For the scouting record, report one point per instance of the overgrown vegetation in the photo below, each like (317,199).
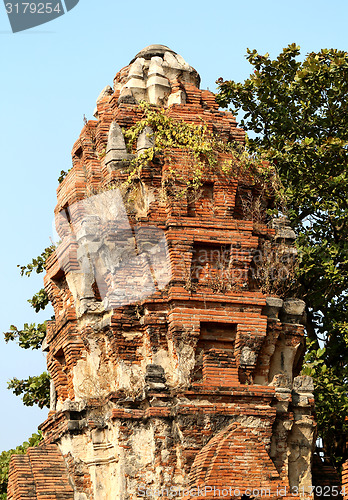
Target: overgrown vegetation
(275,268)
(202,152)
(298,114)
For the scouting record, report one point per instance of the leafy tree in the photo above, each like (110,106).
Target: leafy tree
(40,300)
(38,264)
(34,390)
(5,458)
(31,337)
(297,113)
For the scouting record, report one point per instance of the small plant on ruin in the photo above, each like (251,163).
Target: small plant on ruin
(275,268)
(214,269)
(220,275)
(221,280)
(90,134)
(190,283)
(62,176)
(102,153)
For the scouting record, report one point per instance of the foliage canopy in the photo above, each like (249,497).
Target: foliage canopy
(297,114)
(34,390)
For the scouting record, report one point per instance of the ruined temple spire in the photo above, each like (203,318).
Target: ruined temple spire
(171,368)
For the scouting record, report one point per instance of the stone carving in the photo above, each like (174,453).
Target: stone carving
(145,140)
(116,150)
(293,311)
(151,73)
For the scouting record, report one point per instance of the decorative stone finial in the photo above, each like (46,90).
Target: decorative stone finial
(156,75)
(153,51)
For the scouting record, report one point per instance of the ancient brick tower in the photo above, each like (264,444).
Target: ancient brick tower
(165,377)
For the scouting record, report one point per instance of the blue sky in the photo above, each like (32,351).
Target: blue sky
(51,77)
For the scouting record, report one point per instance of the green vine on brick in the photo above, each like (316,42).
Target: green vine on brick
(203,150)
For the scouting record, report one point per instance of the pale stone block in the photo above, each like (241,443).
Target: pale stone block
(178,97)
(115,138)
(155,67)
(273,305)
(126,97)
(281,381)
(157,94)
(182,62)
(136,70)
(294,308)
(285,233)
(137,87)
(303,383)
(135,83)
(145,140)
(171,61)
(158,88)
(80,496)
(53,396)
(116,147)
(158,80)
(293,311)
(105,92)
(117,159)
(247,357)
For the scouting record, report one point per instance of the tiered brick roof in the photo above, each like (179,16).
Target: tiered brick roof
(40,474)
